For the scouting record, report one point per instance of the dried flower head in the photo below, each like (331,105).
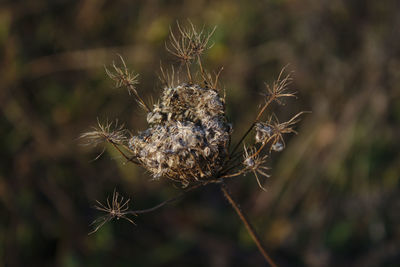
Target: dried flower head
(254,162)
(188,135)
(272,131)
(263,132)
(190,43)
(110,132)
(123,77)
(116,209)
(188,138)
(278,89)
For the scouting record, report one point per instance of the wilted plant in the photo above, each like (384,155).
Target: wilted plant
(189,137)
(116,209)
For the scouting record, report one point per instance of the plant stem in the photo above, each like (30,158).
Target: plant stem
(246,223)
(166,202)
(123,154)
(162,204)
(241,139)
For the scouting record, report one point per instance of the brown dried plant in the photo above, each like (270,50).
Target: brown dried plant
(189,137)
(105,133)
(189,45)
(123,77)
(116,209)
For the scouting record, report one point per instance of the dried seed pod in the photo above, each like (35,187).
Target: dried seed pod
(188,135)
(263,132)
(278,147)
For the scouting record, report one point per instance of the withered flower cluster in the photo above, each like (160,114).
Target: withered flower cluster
(188,136)
(188,139)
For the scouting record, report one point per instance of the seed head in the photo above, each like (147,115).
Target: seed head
(279,88)
(272,131)
(255,163)
(190,43)
(108,132)
(188,135)
(263,132)
(123,77)
(116,209)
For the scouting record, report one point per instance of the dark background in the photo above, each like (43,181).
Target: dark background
(333,198)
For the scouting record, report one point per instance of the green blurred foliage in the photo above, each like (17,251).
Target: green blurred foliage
(333,197)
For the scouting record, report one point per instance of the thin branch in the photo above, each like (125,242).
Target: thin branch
(247,224)
(231,175)
(166,202)
(242,139)
(127,158)
(156,207)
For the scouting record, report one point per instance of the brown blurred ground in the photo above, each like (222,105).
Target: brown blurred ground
(333,198)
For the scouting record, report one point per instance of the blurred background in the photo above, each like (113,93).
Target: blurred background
(333,197)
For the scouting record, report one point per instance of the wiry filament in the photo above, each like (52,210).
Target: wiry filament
(211,80)
(167,77)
